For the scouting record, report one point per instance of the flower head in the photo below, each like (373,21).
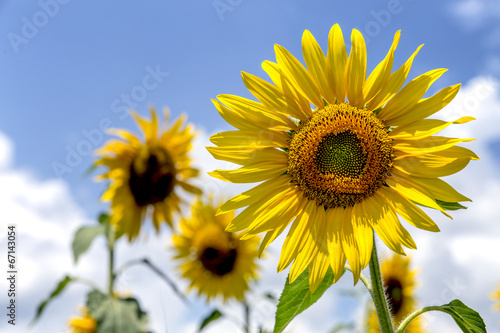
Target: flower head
(495,296)
(217,262)
(146,175)
(85,324)
(362,156)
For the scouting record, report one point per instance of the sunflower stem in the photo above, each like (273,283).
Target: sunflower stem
(415,314)
(111,268)
(378,293)
(247,316)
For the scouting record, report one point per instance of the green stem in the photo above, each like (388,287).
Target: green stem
(378,293)
(247,317)
(408,319)
(111,268)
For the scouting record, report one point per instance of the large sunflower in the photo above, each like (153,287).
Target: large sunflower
(84,324)
(362,155)
(146,174)
(399,285)
(216,262)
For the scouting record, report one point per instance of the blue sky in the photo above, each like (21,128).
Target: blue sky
(69,67)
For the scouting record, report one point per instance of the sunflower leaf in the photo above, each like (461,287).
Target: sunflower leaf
(60,287)
(116,315)
(467,319)
(214,315)
(450,205)
(296,298)
(84,237)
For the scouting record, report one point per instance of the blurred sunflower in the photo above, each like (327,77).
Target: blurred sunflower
(85,324)
(146,174)
(495,296)
(364,154)
(399,284)
(216,262)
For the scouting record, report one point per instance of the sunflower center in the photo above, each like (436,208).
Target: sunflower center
(340,156)
(152,176)
(394,292)
(218,262)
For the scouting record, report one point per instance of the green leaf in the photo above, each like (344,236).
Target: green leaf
(296,297)
(84,237)
(60,287)
(216,314)
(103,219)
(115,315)
(94,301)
(467,319)
(450,205)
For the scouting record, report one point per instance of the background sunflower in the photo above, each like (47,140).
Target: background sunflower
(83,324)
(399,283)
(216,262)
(147,174)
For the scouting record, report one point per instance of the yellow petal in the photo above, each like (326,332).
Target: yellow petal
(416,193)
(303,259)
(424,128)
(363,232)
(269,187)
(438,188)
(394,83)
(334,243)
(316,64)
(298,76)
(408,96)
(251,173)
(355,72)
(430,165)
(382,221)
(428,106)
(427,145)
(378,78)
(350,245)
(255,139)
(408,210)
(317,270)
(297,235)
(257,113)
(270,237)
(299,106)
(336,61)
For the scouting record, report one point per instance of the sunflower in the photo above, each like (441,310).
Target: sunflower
(399,284)
(495,296)
(216,262)
(85,324)
(344,168)
(146,174)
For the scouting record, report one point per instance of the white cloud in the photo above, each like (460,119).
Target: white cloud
(474,13)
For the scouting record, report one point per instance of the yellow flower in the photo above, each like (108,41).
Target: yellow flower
(85,324)
(215,261)
(399,284)
(495,296)
(364,154)
(146,174)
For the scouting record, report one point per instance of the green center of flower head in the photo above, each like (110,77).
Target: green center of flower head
(340,156)
(217,261)
(394,292)
(152,176)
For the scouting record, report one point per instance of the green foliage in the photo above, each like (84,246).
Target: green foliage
(213,316)
(467,319)
(60,287)
(84,237)
(450,205)
(115,315)
(296,298)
